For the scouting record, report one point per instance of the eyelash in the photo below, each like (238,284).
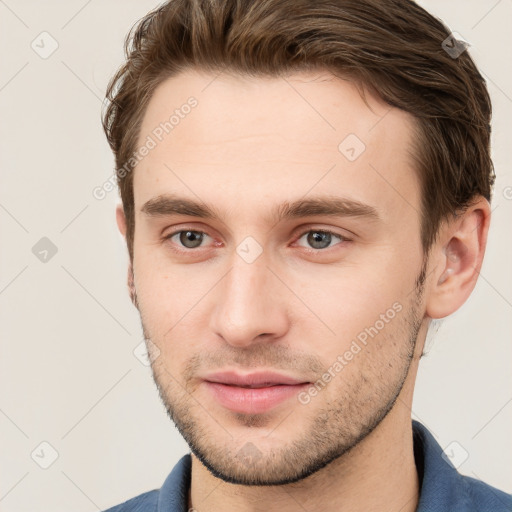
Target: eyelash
(311,250)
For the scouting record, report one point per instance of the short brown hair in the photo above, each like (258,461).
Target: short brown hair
(392,47)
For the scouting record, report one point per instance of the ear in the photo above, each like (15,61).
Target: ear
(131,286)
(458,255)
(121,220)
(121,224)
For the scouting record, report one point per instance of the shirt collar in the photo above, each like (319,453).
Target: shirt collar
(173,496)
(441,486)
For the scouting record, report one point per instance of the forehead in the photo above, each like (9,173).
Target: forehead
(228,138)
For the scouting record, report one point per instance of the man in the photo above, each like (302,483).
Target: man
(305,185)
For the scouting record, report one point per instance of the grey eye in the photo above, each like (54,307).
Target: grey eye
(191,239)
(320,239)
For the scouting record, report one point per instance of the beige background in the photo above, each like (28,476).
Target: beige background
(68,373)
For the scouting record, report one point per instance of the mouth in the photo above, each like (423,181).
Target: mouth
(255,386)
(253,393)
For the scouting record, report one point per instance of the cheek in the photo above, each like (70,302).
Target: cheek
(350,299)
(371,327)
(169,301)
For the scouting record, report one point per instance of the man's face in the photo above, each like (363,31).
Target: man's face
(227,299)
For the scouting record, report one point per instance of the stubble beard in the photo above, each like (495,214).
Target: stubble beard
(333,431)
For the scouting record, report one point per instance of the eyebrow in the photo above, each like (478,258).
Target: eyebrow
(331,206)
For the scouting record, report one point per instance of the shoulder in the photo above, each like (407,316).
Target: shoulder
(443,488)
(171,497)
(146,502)
(483,496)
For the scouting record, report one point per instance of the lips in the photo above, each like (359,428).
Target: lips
(252,393)
(252,380)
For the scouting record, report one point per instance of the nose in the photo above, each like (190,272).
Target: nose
(250,305)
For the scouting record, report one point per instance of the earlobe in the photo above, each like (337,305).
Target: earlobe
(121,220)
(460,253)
(131,287)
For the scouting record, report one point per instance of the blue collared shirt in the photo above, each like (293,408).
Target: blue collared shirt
(442,487)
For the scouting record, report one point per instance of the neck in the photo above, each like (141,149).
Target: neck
(377,474)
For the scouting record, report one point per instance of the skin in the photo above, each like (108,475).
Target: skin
(249,145)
